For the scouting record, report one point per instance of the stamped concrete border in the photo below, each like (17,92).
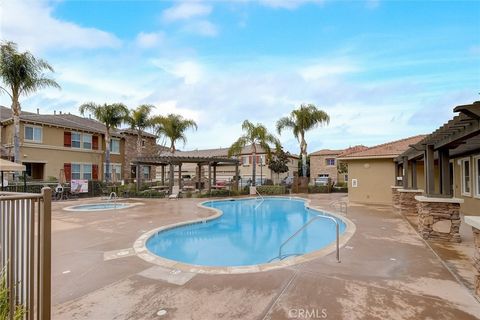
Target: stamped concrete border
(145,254)
(128,205)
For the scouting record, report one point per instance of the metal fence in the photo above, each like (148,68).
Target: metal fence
(25,251)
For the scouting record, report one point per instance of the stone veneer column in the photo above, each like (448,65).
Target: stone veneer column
(474,221)
(407,201)
(396,198)
(439,218)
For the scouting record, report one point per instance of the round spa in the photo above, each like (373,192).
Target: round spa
(248,232)
(103,206)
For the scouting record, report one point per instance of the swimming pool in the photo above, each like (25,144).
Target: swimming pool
(99,206)
(249,232)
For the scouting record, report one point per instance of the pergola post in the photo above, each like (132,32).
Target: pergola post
(138,177)
(214,173)
(180,176)
(429,170)
(163,175)
(405,173)
(199,177)
(171,177)
(209,177)
(397,170)
(236,176)
(414,174)
(444,161)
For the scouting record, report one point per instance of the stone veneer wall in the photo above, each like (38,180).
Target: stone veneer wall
(476,259)
(150,149)
(439,220)
(396,198)
(407,201)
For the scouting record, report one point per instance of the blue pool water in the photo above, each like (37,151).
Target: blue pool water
(246,234)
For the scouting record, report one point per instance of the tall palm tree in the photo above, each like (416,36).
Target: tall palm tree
(173,127)
(305,118)
(139,119)
(22,74)
(254,134)
(112,116)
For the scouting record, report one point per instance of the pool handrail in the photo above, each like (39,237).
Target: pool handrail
(337,227)
(343,206)
(263,199)
(113,196)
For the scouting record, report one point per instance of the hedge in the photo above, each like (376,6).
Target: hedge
(271,190)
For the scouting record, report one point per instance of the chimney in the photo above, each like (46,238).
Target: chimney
(54,112)
(38,110)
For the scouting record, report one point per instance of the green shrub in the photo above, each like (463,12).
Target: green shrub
(271,190)
(340,189)
(150,194)
(319,189)
(5,300)
(341,185)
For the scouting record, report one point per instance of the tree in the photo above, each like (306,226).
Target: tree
(279,162)
(301,120)
(139,119)
(112,116)
(173,127)
(22,74)
(253,135)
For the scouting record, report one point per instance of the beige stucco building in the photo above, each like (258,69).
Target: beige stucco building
(55,144)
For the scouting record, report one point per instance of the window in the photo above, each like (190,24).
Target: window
(87,141)
(114,168)
(115,146)
(330,161)
(477,176)
(245,160)
(76,171)
(466,177)
(33,134)
(346,177)
(143,143)
(76,139)
(146,172)
(87,171)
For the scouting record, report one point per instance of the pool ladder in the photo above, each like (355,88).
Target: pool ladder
(342,205)
(113,196)
(337,227)
(263,199)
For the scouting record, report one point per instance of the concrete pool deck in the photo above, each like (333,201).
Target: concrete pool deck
(387,272)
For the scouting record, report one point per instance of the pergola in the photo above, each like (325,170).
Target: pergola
(172,160)
(458,137)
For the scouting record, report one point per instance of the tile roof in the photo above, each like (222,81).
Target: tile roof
(326,152)
(219,152)
(385,150)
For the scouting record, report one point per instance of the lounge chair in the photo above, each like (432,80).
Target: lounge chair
(175,193)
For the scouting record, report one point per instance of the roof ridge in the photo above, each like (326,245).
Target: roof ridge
(395,141)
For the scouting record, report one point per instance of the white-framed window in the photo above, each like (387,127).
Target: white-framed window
(476,161)
(76,171)
(87,141)
(245,160)
(466,177)
(146,172)
(76,142)
(330,161)
(115,146)
(115,168)
(33,134)
(263,160)
(87,171)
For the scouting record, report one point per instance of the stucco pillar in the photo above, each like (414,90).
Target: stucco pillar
(163,175)
(209,177)
(429,170)
(444,160)
(180,176)
(405,173)
(171,178)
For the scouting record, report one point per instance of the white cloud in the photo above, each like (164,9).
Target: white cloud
(323,70)
(185,11)
(202,28)
(32,26)
(287,4)
(189,71)
(149,39)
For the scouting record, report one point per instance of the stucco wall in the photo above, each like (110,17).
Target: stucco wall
(318,165)
(374,178)
(471,205)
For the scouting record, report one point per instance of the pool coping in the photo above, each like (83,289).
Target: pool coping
(142,252)
(129,205)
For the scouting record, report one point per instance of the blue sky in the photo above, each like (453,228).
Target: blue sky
(383,70)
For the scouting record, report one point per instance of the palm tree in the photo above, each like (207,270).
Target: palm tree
(22,74)
(173,127)
(301,120)
(254,134)
(112,116)
(139,120)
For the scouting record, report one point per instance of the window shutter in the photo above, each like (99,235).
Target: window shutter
(94,171)
(250,158)
(95,142)
(67,139)
(258,160)
(67,168)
